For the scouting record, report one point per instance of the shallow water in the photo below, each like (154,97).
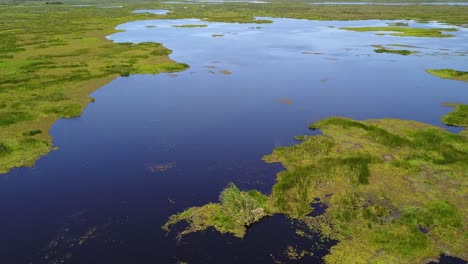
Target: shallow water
(100,198)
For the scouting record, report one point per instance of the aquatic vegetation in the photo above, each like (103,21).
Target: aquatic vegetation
(393,190)
(225,72)
(285,101)
(450,74)
(407,32)
(190,26)
(217,35)
(400,52)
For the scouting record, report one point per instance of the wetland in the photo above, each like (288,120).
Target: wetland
(215,139)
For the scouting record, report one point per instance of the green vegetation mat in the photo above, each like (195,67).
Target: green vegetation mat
(450,74)
(395,190)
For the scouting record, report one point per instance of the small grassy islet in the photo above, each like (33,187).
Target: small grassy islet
(381,49)
(407,32)
(450,74)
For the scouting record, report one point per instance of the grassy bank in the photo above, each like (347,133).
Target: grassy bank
(51,58)
(394,190)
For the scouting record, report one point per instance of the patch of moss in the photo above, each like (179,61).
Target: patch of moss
(450,74)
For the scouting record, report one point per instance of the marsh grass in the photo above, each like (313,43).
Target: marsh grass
(47,69)
(32,133)
(459,117)
(40,58)
(235,211)
(404,209)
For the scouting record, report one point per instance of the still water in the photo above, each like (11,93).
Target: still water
(152,145)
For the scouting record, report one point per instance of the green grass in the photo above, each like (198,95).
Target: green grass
(407,32)
(450,74)
(401,210)
(459,117)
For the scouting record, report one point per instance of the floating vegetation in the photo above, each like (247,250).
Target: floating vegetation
(391,51)
(225,72)
(395,186)
(190,26)
(450,74)
(217,35)
(161,167)
(407,32)
(284,101)
(294,254)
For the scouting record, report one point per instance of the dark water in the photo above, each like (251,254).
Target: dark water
(100,198)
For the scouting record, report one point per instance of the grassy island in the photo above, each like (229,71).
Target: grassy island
(407,31)
(394,190)
(450,74)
